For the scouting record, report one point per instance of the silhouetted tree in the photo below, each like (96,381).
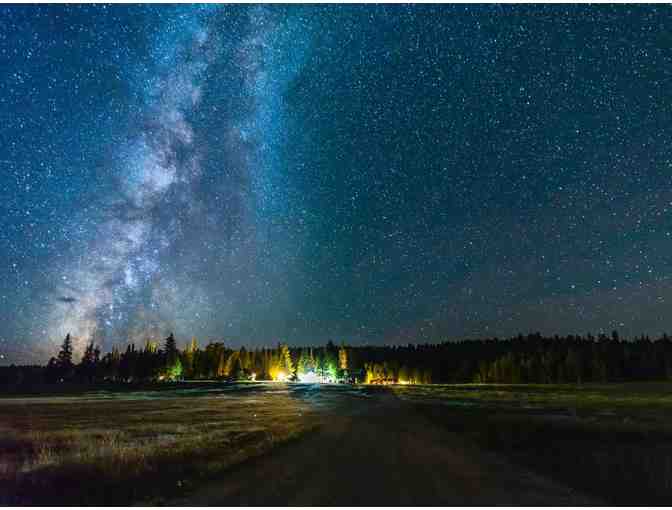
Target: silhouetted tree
(88,366)
(65,354)
(171,350)
(64,364)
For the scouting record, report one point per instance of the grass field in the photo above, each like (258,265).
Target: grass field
(612,441)
(122,447)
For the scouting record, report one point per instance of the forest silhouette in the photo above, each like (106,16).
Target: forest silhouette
(522,359)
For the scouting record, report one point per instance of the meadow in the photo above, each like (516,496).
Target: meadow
(118,448)
(610,441)
(149,445)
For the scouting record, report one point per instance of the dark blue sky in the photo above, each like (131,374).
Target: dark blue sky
(377,174)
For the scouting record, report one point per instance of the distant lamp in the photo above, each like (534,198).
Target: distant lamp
(309,377)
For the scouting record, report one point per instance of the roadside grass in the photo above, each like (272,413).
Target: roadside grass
(610,441)
(121,452)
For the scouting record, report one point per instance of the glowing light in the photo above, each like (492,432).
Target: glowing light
(309,377)
(281,377)
(253,376)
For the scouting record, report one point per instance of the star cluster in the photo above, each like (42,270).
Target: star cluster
(376,174)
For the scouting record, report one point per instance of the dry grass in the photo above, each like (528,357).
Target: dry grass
(125,447)
(72,451)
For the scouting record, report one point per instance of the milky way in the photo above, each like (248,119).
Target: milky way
(375,174)
(124,281)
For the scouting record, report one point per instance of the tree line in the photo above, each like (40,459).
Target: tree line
(523,359)
(155,362)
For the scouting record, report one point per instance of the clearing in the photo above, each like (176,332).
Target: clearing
(292,444)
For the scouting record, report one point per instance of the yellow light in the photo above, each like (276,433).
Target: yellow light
(281,377)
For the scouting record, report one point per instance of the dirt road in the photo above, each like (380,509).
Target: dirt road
(387,455)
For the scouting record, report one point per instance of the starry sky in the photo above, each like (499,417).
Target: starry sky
(367,174)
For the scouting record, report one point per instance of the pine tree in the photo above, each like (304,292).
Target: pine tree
(302,365)
(88,365)
(244,358)
(189,356)
(311,364)
(237,370)
(64,365)
(151,346)
(128,364)
(175,371)
(171,350)
(231,360)
(286,360)
(87,357)
(267,364)
(172,359)
(221,365)
(65,354)
(342,358)
(113,363)
(368,369)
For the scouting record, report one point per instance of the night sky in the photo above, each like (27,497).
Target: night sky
(367,174)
